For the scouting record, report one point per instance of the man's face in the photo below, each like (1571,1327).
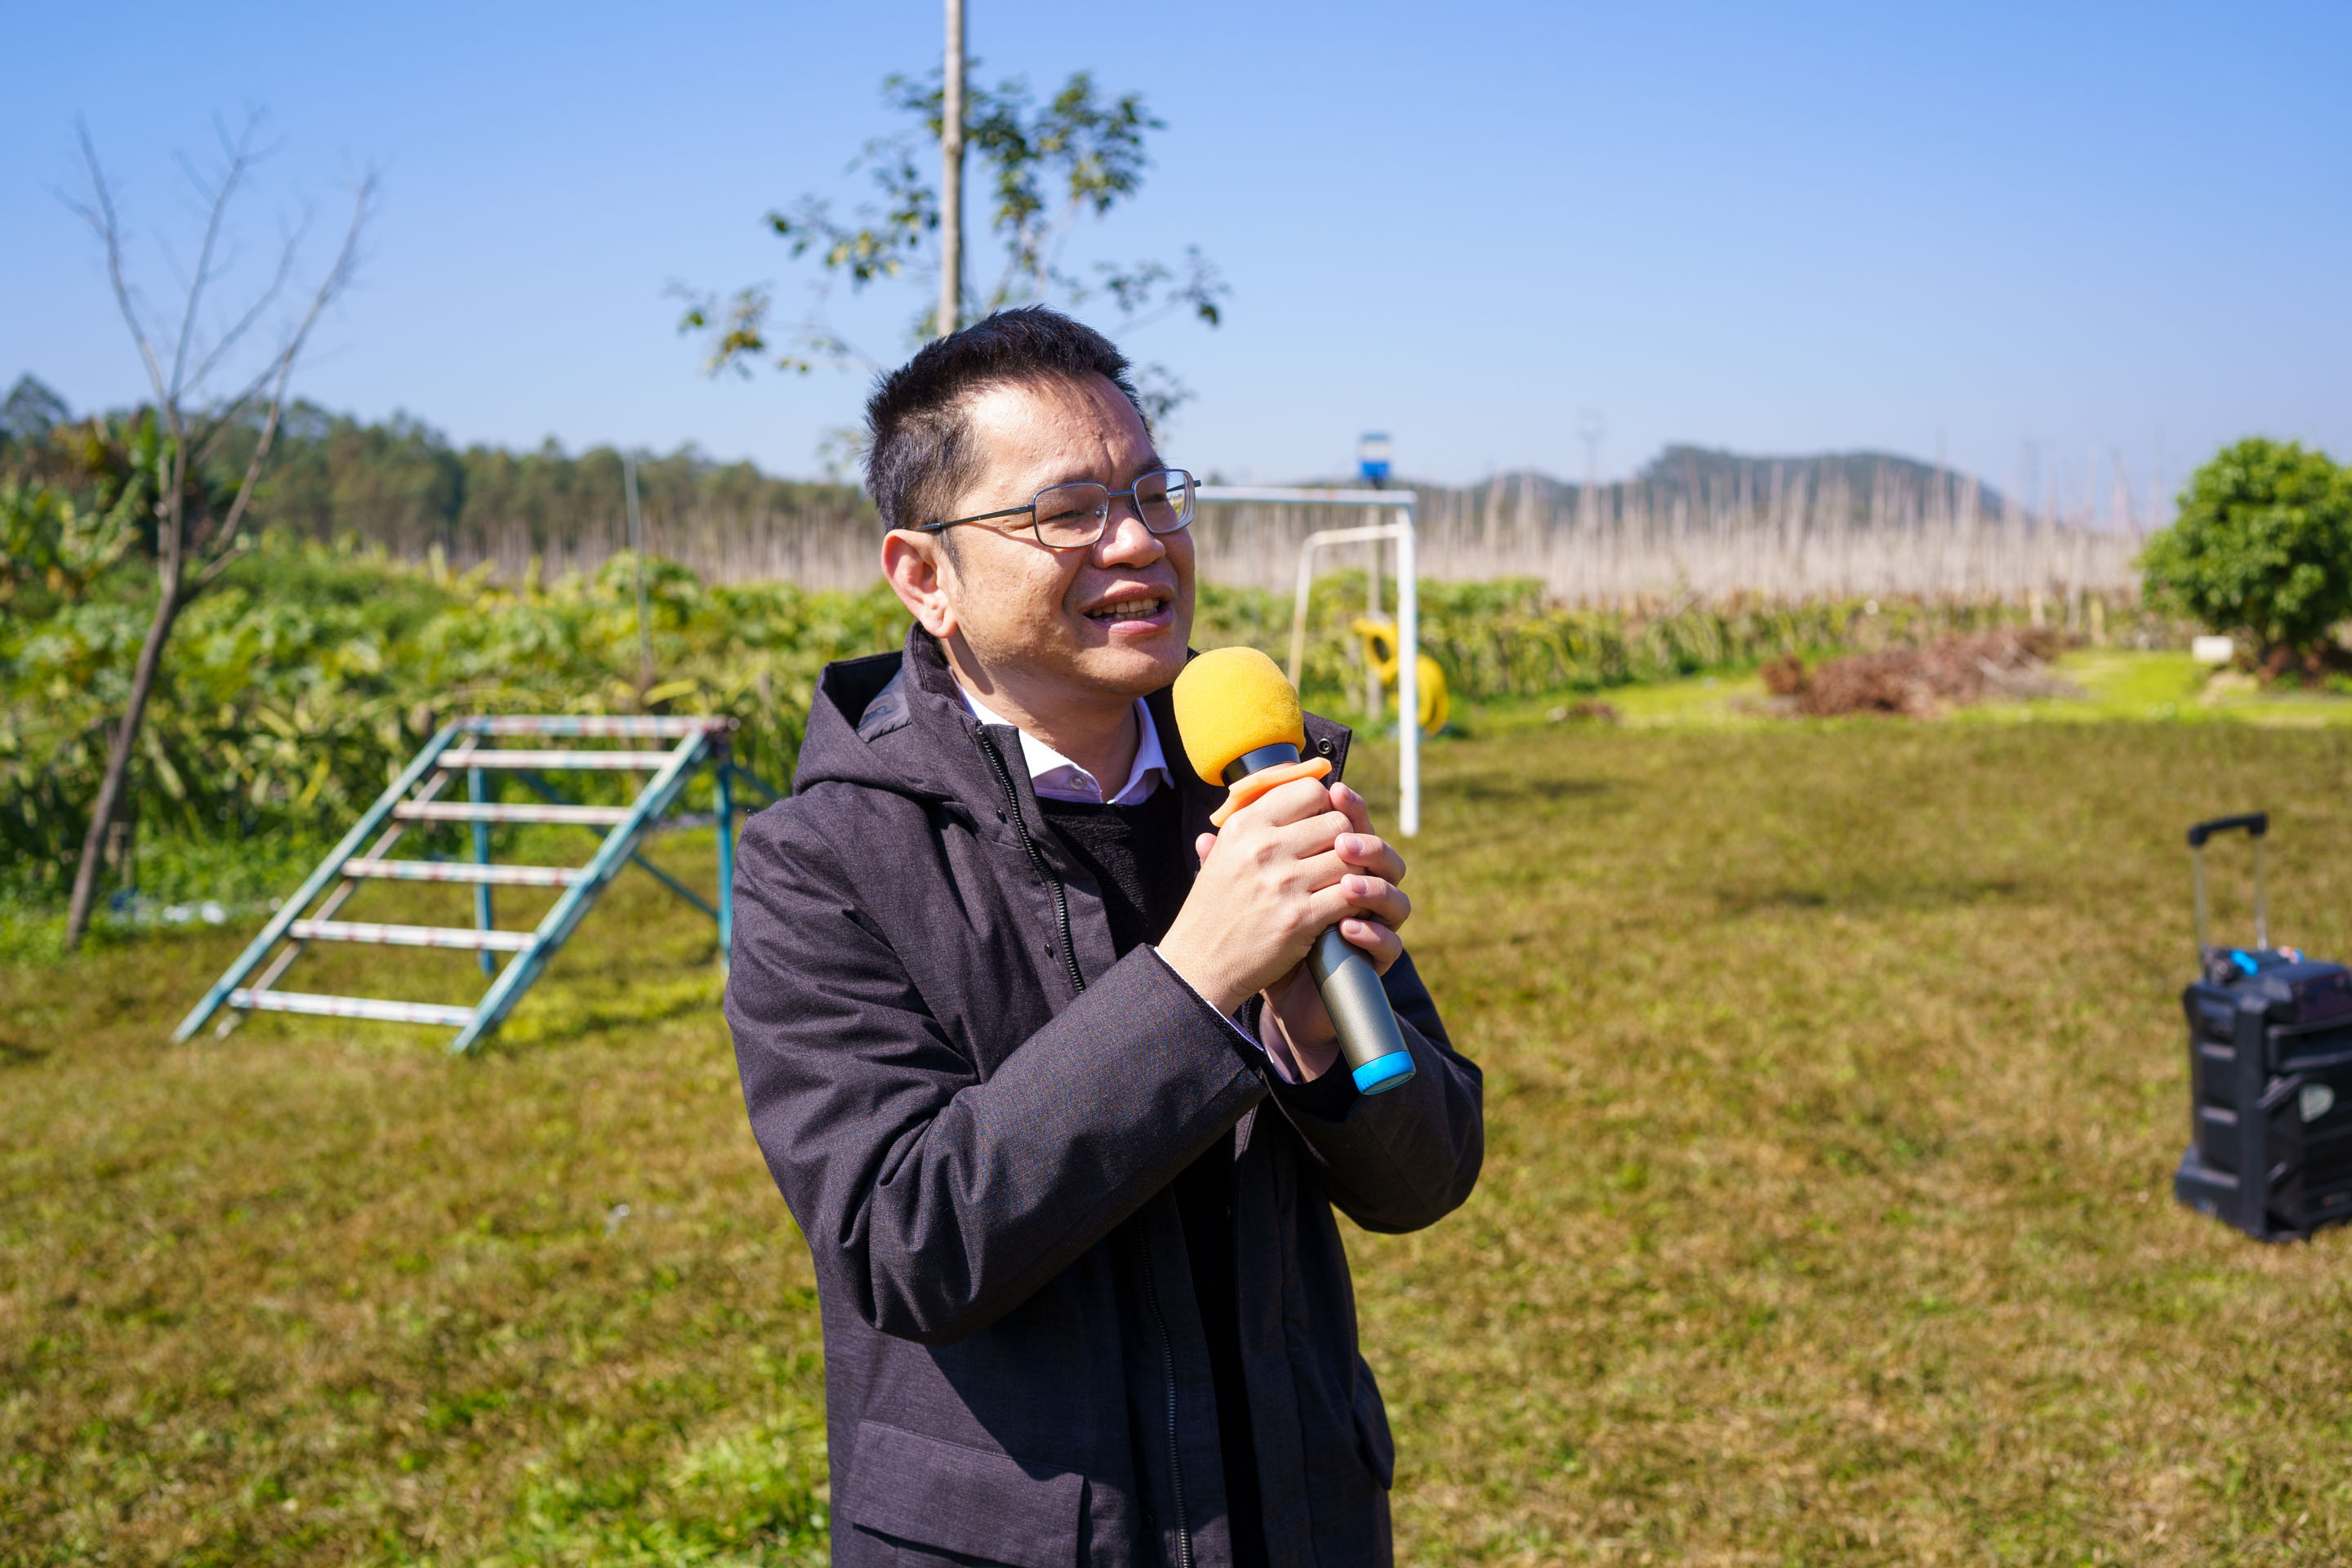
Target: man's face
(1109,620)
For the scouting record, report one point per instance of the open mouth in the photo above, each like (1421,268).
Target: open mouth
(1140,608)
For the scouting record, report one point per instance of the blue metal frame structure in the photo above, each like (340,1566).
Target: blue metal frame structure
(468,746)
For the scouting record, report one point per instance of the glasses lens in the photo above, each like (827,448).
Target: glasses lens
(1072,515)
(1164,499)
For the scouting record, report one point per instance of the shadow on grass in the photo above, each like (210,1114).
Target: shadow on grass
(1489,789)
(1876,896)
(551,1015)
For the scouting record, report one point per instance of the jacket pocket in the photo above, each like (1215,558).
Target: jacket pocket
(1372,1439)
(925,1492)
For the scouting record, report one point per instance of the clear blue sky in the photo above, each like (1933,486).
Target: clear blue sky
(1777,228)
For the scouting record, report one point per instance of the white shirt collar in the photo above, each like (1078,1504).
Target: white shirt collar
(1055,777)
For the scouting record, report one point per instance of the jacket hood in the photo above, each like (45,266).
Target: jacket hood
(892,722)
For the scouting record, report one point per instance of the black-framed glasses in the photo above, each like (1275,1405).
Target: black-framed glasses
(1072,516)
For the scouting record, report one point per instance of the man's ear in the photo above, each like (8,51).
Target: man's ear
(923,576)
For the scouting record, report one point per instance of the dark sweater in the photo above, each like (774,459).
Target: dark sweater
(1139,860)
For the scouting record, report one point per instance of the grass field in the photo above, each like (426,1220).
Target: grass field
(1835,1082)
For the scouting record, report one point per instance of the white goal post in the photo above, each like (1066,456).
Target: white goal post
(1401,528)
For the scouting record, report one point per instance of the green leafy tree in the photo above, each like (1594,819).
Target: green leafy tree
(1049,168)
(55,544)
(2262,550)
(31,411)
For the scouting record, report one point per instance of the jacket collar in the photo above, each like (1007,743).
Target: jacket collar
(898,721)
(1056,775)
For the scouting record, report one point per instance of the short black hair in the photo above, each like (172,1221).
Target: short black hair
(917,451)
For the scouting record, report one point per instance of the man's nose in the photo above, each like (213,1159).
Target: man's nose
(1126,541)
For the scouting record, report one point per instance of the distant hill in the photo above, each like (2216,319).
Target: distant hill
(1709,479)
(1685,471)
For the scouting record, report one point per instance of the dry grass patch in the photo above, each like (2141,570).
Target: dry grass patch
(2009,664)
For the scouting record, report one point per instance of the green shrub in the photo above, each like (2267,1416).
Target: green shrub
(294,691)
(2261,549)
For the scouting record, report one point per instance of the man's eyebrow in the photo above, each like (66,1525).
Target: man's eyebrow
(1152,465)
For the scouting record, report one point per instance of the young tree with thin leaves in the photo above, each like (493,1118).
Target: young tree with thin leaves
(1048,168)
(190,355)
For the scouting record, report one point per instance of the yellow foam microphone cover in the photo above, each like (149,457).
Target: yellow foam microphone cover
(1229,702)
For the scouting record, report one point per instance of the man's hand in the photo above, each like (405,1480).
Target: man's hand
(1295,860)
(1296,1025)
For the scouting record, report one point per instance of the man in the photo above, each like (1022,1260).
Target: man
(1032,1054)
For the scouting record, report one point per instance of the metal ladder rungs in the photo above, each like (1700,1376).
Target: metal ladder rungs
(605,761)
(364,853)
(470,811)
(657,726)
(464,871)
(377,1008)
(467,937)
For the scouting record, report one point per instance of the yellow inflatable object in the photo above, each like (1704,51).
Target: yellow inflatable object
(1380,652)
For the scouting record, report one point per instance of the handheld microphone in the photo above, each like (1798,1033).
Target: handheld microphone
(1240,722)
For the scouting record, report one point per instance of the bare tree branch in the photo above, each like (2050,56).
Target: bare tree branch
(229,339)
(100,213)
(338,278)
(219,195)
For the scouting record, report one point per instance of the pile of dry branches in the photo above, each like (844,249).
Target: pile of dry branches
(1920,682)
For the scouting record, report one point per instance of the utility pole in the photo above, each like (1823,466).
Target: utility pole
(952,177)
(637,558)
(1590,425)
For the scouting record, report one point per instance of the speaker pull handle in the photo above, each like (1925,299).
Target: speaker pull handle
(2256,825)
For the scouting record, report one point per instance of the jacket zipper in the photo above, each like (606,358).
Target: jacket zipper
(1175,1458)
(1150,1286)
(1037,859)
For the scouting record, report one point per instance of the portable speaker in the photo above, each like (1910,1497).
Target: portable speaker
(2270,1074)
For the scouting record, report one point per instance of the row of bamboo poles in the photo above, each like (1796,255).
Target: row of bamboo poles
(818,547)
(1788,539)
(1777,535)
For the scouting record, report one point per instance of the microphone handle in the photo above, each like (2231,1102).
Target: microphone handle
(1359,1011)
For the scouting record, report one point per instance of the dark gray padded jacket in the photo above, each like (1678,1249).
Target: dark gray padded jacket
(975,1110)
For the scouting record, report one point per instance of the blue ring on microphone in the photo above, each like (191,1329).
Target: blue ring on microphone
(1383,1072)
(1270,756)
